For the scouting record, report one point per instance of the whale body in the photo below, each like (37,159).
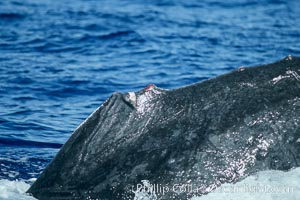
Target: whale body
(205,134)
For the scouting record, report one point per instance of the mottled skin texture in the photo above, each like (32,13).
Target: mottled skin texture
(206,134)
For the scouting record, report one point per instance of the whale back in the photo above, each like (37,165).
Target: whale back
(206,134)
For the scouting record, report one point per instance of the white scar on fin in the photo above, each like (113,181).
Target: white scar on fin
(130,98)
(288,74)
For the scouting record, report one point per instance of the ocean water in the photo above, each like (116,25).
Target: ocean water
(60,60)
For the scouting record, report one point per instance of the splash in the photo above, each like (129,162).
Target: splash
(14,190)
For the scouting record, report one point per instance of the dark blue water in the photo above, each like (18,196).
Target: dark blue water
(59,60)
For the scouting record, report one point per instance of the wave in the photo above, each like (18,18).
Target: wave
(115,36)
(8,16)
(27,143)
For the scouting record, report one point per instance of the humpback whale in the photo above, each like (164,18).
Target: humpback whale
(202,135)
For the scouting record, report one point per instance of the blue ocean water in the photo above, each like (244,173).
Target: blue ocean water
(59,60)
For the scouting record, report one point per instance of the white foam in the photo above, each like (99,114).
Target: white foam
(267,185)
(14,190)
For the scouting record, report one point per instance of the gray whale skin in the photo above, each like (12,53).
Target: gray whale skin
(206,134)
